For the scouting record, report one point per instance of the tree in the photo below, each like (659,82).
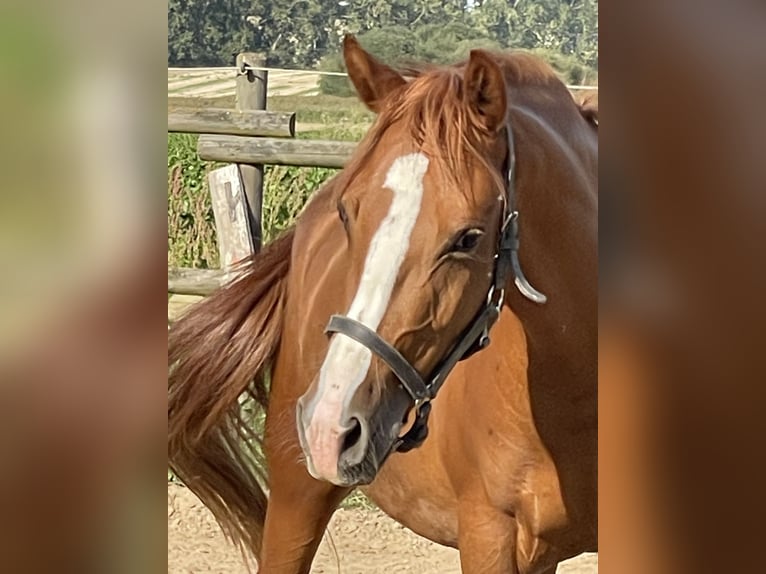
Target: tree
(294,32)
(298,33)
(207,32)
(393,45)
(451,42)
(398,45)
(564,26)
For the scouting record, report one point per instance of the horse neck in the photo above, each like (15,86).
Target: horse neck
(557,202)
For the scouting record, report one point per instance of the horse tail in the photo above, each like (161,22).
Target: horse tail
(219,356)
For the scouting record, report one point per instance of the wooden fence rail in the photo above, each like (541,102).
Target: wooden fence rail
(221,121)
(239,149)
(195,281)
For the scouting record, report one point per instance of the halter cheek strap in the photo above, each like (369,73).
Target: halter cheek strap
(474,338)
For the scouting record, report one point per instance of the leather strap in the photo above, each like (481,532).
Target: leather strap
(361,333)
(414,437)
(480,325)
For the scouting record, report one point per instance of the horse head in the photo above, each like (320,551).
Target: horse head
(413,225)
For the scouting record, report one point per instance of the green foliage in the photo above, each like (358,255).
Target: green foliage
(287,188)
(191,225)
(294,32)
(399,45)
(442,44)
(450,43)
(567,27)
(286,191)
(345,133)
(569,68)
(208,32)
(393,44)
(300,33)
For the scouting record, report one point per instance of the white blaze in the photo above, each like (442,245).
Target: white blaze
(347,362)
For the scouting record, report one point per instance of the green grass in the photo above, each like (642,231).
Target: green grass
(286,191)
(357,499)
(330,110)
(191,225)
(341,132)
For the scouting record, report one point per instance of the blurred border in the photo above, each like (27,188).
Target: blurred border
(82,371)
(82,334)
(682,283)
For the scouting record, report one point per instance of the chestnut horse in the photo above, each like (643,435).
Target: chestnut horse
(397,271)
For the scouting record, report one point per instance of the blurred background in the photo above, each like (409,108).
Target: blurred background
(82,336)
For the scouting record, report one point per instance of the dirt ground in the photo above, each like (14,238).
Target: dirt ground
(365,542)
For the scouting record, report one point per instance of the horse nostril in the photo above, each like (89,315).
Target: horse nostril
(354,447)
(352,436)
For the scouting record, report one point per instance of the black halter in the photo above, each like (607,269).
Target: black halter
(473,339)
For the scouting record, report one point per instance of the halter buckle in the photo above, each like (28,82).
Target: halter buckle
(510,218)
(420,403)
(495,298)
(509,234)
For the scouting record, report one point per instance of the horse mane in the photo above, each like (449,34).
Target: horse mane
(218,352)
(432,110)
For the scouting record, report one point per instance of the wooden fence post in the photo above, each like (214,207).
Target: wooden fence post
(232,222)
(251,95)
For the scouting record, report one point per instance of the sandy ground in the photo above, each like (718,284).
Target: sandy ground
(365,542)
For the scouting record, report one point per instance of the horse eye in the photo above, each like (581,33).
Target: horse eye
(467,241)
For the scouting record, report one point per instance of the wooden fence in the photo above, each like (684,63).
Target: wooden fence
(248,138)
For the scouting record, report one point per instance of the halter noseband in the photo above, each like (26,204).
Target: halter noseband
(473,339)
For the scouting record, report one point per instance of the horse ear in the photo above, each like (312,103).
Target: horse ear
(484,90)
(372,79)
(589,111)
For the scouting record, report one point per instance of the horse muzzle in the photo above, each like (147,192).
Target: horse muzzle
(347,446)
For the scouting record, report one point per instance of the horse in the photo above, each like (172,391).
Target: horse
(403,277)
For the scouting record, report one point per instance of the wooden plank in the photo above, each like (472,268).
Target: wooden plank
(232,220)
(261,123)
(251,95)
(194,281)
(240,149)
